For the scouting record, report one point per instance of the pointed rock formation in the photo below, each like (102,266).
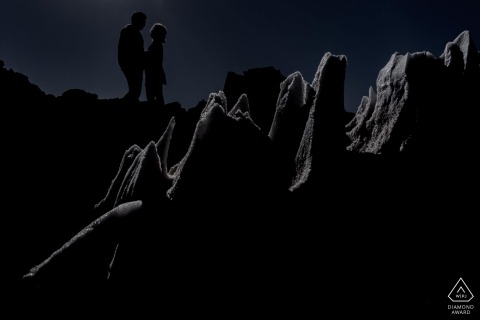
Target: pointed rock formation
(424,103)
(217,99)
(85,258)
(185,124)
(163,144)
(145,179)
(108,202)
(407,91)
(290,100)
(357,128)
(141,173)
(228,155)
(462,54)
(453,58)
(241,106)
(324,134)
(202,155)
(227,169)
(289,122)
(262,86)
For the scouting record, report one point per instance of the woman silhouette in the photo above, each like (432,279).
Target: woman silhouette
(154,72)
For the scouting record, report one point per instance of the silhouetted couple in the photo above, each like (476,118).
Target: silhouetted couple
(134,60)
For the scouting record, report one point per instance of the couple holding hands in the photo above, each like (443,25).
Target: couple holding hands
(134,60)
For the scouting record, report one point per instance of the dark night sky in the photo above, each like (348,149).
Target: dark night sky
(64,44)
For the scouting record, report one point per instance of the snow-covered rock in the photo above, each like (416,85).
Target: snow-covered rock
(462,54)
(324,134)
(85,258)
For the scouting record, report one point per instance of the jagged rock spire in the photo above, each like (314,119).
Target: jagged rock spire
(324,134)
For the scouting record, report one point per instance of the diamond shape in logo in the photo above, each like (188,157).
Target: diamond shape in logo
(460,292)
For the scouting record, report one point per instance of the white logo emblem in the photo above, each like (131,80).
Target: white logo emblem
(460,292)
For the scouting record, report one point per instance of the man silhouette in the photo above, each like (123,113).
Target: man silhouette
(154,72)
(131,55)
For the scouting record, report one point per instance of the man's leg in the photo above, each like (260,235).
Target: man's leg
(134,80)
(137,82)
(149,89)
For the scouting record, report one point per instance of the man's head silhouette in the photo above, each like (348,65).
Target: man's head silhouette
(139,20)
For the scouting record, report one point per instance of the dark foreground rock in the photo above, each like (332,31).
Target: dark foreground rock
(229,208)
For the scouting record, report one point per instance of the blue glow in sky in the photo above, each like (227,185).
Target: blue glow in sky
(64,44)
